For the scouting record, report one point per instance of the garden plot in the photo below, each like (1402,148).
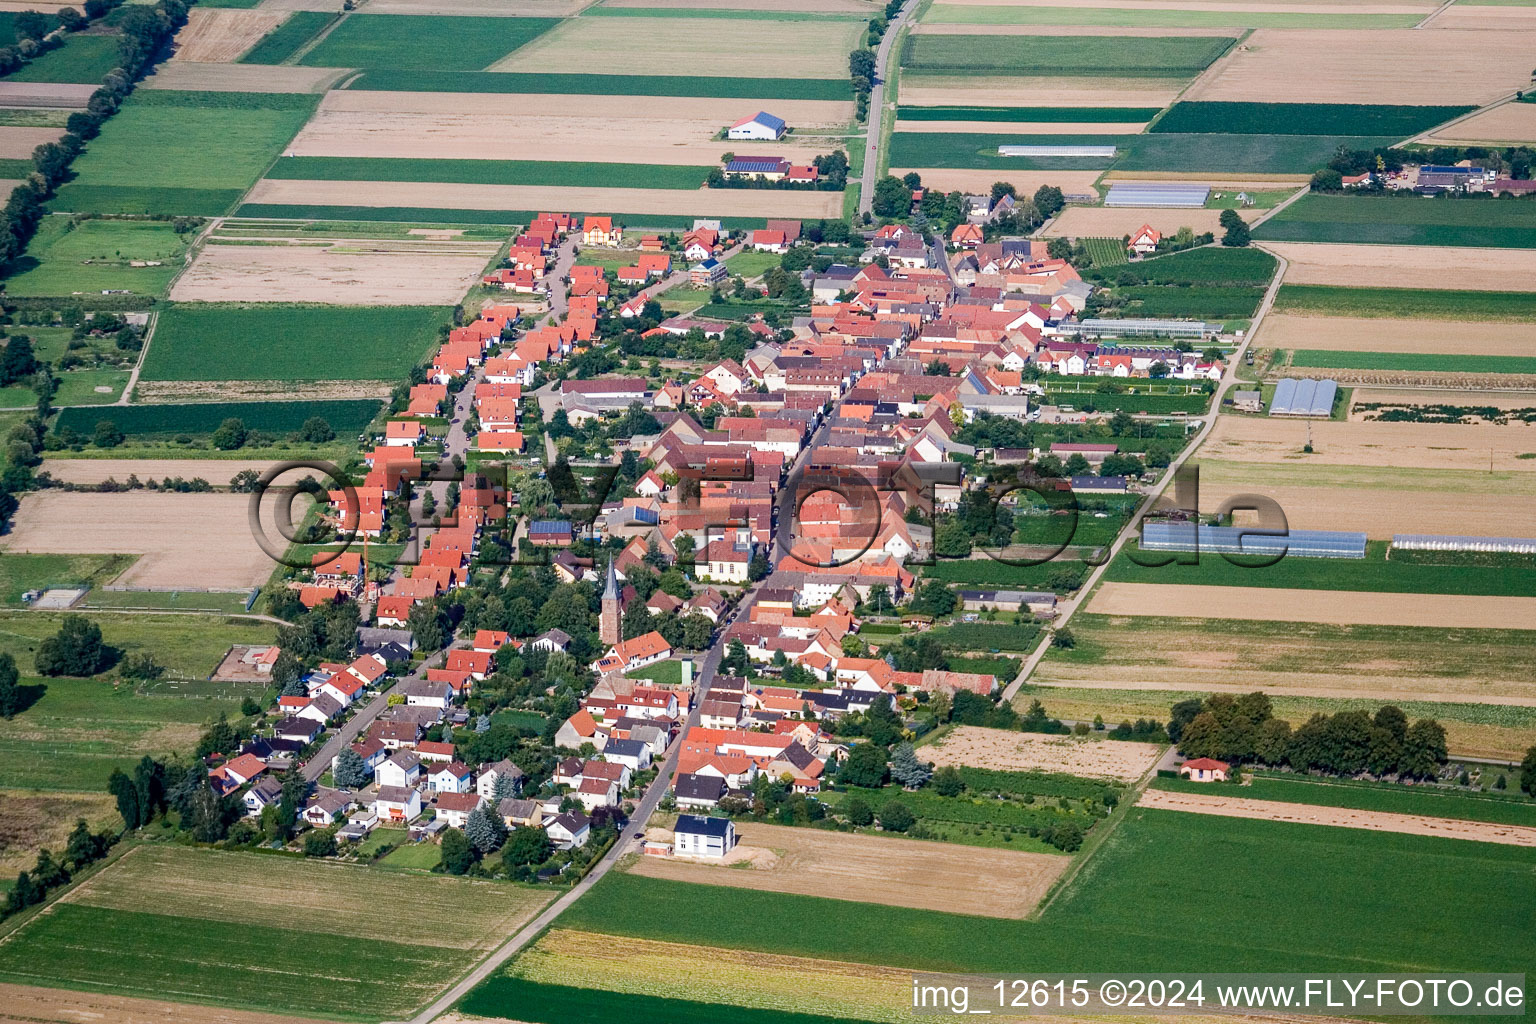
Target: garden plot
(1402,445)
(1113,222)
(18,143)
(221,35)
(720,202)
(950,179)
(873,869)
(1370,66)
(1001,91)
(1407,266)
(182,76)
(357,272)
(721,47)
(1003,750)
(1341,607)
(1339,817)
(1366,334)
(1508,123)
(186,540)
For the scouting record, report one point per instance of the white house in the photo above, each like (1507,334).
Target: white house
(451,778)
(697,836)
(1144,241)
(1204,769)
(491,774)
(259,796)
(568,831)
(402,769)
(595,793)
(633,754)
(394,803)
(454,808)
(762,126)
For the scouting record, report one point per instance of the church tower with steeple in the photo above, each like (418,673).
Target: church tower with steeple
(610,619)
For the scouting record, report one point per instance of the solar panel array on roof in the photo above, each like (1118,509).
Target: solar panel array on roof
(1104,152)
(1303,397)
(1240,540)
(1446,542)
(1164,196)
(756,165)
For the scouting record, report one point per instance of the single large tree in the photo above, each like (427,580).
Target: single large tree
(351,771)
(458,852)
(76,650)
(864,767)
(907,769)
(10,691)
(485,829)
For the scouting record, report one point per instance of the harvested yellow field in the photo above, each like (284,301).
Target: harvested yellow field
(719,202)
(1509,123)
(1007,751)
(218,886)
(1349,443)
(818,115)
(1407,266)
(1025,127)
(726,977)
(1275,604)
(1368,66)
(1339,817)
(18,143)
(950,179)
(1112,222)
(241,78)
(349,273)
(945,90)
(34,821)
(1487,17)
(26,1003)
(1360,334)
(1433,396)
(873,869)
(220,35)
(187,540)
(723,47)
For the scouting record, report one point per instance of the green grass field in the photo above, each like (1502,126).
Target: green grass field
(1394,798)
(285,40)
(1405,303)
(21,571)
(1066,56)
(491,172)
(82,59)
(1492,223)
(1304,118)
(751,264)
(979,150)
(95,255)
(987,636)
(434,80)
(1468,899)
(1208,265)
(437,215)
(989,572)
(1373,573)
(1428,362)
(147,421)
(232,603)
(1078,115)
(172,152)
(1134,17)
(1201,302)
(1207,153)
(213,341)
(410,42)
(78,387)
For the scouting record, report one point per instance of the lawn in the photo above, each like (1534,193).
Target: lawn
(751,264)
(1393,798)
(165,421)
(665,673)
(423,42)
(1427,362)
(285,40)
(1064,56)
(1468,898)
(1372,573)
(1490,223)
(213,341)
(422,856)
(1304,118)
(78,387)
(1405,303)
(96,255)
(173,152)
(490,172)
(434,80)
(82,59)
(21,571)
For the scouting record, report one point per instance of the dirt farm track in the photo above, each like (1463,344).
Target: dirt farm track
(874,869)
(1309,814)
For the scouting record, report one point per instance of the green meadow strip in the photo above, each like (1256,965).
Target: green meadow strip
(606,85)
(490,172)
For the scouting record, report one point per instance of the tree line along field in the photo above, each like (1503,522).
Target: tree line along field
(1412,361)
(1373,573)
(1303,118)
(573,83)
(219,341)
(423,42)
(1134,889)
(175,152)
(151,421)
(288,38)
(490,172)
(67,257)
(1405,303)
(1071,56)
(1487,223)
(1392,798)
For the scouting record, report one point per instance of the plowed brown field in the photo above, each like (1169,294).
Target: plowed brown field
(1274,604)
